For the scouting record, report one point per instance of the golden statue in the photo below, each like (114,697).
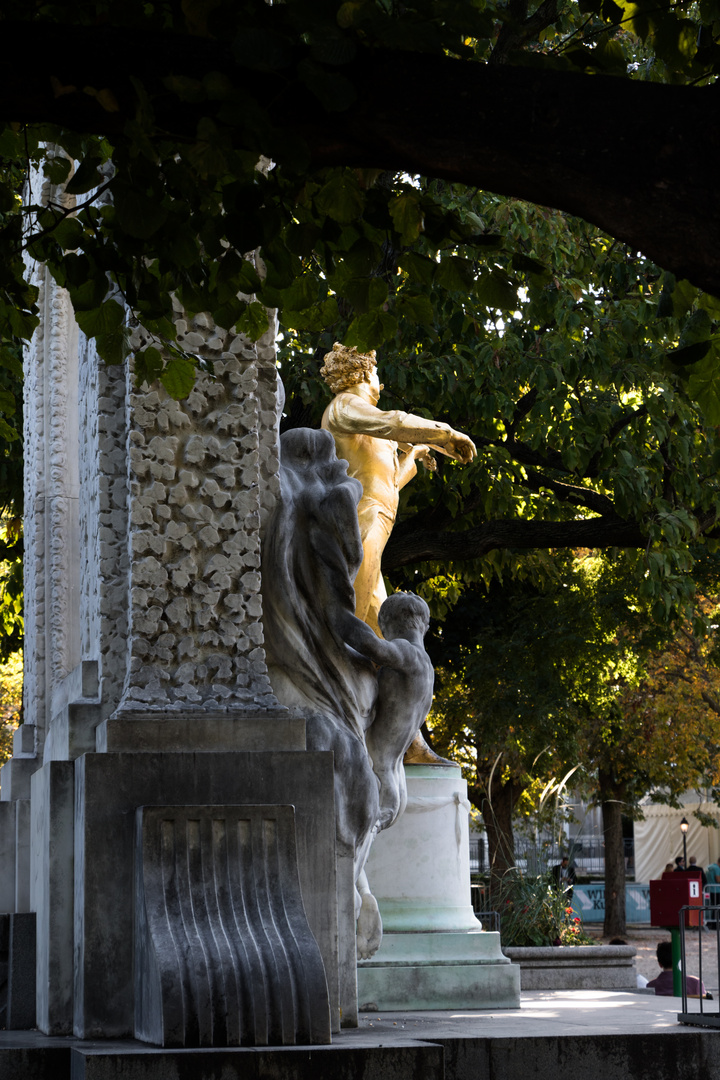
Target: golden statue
(382,450)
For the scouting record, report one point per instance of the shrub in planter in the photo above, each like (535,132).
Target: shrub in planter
(534,912)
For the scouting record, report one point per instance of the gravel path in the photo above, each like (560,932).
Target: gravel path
(645,940)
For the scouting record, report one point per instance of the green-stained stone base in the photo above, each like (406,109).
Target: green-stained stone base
(438,971)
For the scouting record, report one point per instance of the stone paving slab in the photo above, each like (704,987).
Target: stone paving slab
(543,1012)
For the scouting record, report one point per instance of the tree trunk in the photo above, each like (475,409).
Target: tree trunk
(497,810)
(612,797)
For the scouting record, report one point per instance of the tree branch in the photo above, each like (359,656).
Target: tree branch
(410,544)
(518,131)
(573,494)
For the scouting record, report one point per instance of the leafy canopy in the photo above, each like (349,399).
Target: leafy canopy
(572,361)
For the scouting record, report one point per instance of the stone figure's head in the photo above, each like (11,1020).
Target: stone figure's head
(345,367)
(401,613)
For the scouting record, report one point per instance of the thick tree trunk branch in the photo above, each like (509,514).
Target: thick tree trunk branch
(410,544)
(634,158)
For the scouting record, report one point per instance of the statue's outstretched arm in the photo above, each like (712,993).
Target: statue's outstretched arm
(352,415)
(360,637)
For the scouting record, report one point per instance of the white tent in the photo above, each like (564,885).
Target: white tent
(658,839)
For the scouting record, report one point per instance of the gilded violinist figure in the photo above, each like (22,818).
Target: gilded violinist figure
(382,449)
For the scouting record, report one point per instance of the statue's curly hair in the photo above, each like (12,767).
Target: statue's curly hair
(345,367)
(402,606)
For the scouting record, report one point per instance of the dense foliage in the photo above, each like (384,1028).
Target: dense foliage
(571,360)
(533,681)
(11,679)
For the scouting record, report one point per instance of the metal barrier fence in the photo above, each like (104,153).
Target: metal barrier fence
(708,917)
(588,856)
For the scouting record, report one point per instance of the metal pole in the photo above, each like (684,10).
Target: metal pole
(676,962)
(685,850)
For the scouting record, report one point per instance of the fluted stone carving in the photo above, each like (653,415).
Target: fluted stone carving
(224,953)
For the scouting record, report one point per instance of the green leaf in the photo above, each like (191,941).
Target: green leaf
(11,362)
(418,309)
(315,319)
(329,45)
(86,177)
(90,293)
(139,214)
(418,267)
(8,199)
(704,385)
(254,321)
(495,290)
(248,280)
(408,218)
(341,198)
(301,239)
(102,320)
(261,49)
(8,433)
(302,293)
(148,364)
(22,323)
(113,346)
(683,297)
(372,330)
(187,89)
(69,234)
(455,274)
(527,265)
(365,293)
(7,402)
(57,169)
(178,378)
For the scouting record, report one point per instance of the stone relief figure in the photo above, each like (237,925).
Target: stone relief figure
(364,697)
(382,449)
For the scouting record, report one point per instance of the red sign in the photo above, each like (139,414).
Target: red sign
(676,890)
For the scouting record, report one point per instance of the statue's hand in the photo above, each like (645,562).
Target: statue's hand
(460,446)
(422,453)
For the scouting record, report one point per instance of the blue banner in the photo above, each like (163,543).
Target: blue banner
(589,902)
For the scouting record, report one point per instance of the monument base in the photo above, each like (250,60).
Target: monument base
(445,970)
(434,953)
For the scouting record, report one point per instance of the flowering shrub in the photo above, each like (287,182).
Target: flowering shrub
(533,911)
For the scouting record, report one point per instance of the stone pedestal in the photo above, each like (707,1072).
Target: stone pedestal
(434,954)
(146,686)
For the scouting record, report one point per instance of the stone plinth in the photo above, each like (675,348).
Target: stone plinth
(434,954)
(108,790)
(577,967)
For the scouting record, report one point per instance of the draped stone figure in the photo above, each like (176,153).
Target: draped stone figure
(363,697)
(311,553)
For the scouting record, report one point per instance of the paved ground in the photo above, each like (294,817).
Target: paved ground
(645,940)
(542,1013)
(545,1013)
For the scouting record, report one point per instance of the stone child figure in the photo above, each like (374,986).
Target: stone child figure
(405,690)
(382,449)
